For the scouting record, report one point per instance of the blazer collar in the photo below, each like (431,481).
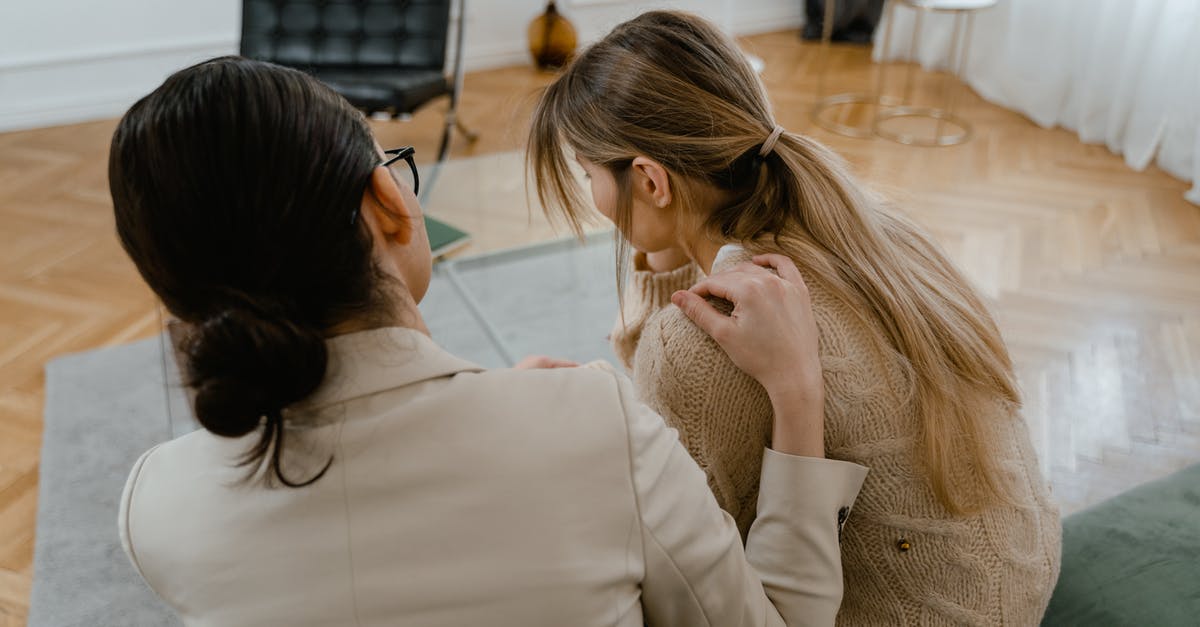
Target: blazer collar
(368,362)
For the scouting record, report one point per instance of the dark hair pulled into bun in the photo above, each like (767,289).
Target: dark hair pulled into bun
(233,184)
(245,366)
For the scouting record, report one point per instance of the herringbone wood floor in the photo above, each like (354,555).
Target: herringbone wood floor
(1093,269)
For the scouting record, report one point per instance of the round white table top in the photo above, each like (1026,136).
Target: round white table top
(952,5)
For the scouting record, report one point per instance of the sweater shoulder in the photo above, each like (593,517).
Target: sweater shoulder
(670,338)
(683,373)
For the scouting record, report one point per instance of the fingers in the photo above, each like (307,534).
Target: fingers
(528,363)
(702,313)
(535,362)
(769,276)
(736,285)
(783,265)
(721,285)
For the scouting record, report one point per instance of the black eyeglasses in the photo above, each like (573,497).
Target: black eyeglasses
(395,155)
(405,153)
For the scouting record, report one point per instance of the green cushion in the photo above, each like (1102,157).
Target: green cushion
(1134,559)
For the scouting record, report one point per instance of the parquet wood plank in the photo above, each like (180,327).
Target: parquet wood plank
(14,596)
(18,501)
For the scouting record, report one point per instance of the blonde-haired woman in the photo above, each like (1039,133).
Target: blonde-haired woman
(673,128)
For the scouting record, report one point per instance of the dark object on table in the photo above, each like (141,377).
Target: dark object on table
(551,39)
(854,20)
(1133,559)
(381,56)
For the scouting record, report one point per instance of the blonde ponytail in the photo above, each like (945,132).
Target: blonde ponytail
(670,86)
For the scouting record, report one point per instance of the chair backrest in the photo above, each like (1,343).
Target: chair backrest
(409,34)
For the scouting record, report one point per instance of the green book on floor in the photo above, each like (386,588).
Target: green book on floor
(444,238)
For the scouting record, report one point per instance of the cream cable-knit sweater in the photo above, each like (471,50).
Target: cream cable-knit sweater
(907,560)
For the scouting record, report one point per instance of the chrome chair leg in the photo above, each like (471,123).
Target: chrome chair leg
(471,135)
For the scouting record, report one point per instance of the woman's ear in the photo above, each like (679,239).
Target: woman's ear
(651,183)
(386,204)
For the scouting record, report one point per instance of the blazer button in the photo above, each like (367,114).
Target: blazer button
(843,514)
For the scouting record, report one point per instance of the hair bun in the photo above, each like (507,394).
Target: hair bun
(244,363)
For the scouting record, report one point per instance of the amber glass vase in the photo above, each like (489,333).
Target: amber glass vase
(551,39)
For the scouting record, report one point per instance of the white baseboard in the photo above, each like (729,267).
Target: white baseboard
(103,84)
(496,56)
(59,113)
(769,21)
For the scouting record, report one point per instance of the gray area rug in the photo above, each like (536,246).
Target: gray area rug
(105,408)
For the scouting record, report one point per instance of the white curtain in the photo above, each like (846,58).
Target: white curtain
(1125,73)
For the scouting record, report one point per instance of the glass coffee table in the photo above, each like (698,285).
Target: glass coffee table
(520,287)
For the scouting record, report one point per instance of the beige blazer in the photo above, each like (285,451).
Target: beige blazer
(459,496)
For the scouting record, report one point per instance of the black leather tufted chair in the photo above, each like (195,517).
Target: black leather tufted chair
(382,55)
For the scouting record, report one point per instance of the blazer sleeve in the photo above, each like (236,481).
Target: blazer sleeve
(696,570)
(647,293)
(124,522)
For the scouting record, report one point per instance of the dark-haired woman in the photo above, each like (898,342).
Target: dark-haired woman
(350,471)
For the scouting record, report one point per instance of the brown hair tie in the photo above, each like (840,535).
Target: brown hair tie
(769,145)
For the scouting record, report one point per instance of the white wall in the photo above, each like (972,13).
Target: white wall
(496,28)
(64,61)
(71,60)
